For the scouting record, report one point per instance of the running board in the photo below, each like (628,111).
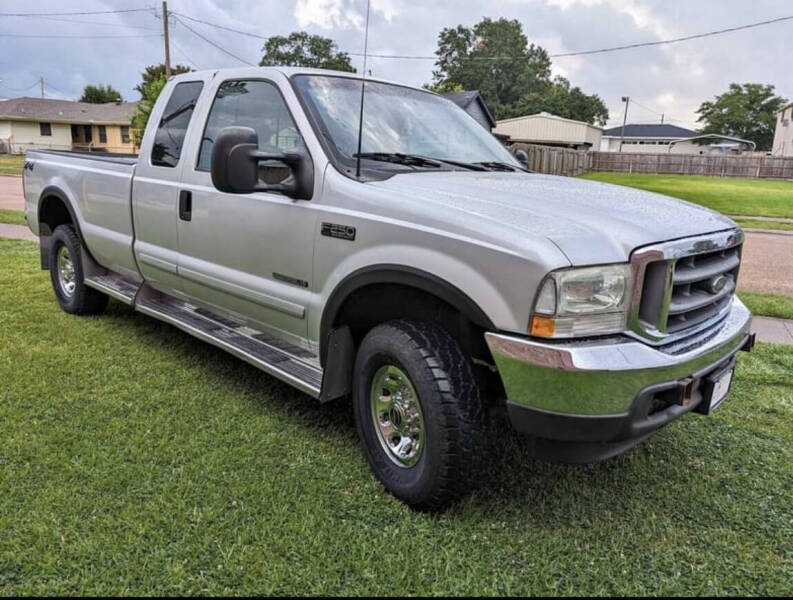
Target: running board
(114,285)
(280,359)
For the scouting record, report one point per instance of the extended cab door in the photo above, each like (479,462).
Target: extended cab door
(155,188)
(249,254)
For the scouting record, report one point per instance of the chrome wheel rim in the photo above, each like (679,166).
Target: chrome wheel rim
(66,277)
(396,413)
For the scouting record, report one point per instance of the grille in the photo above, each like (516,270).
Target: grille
(690,288)
(702,287)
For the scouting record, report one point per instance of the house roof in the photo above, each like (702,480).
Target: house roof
(547,115)
(66,111)
(651,130)
(464,100)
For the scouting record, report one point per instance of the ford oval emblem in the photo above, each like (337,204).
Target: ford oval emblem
(717,283)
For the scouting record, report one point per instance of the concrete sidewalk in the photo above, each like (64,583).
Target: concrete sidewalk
(11,196)
(777,331)
(17,232)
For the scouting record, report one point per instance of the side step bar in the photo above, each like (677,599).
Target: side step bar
(114,286)
(280,359)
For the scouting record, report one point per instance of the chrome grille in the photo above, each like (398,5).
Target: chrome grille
(686,286)
(702,287)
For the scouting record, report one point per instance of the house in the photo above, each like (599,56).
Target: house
(549,130)
(27,123)
(783,136)
(650,137)
(473,103)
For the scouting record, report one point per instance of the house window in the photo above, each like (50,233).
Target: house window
(102,134)
(45,129)
(125,134)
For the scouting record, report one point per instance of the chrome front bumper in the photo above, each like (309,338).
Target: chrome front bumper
(595,385)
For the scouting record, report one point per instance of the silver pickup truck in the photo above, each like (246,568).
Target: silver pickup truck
(418,269)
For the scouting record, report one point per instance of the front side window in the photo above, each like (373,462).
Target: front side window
(102,134)
(125,134)
(172,129)
(45,129)
(397,119)
(255,104)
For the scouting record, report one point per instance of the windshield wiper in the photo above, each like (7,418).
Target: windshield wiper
(416,160)
(411,160)
(497,166)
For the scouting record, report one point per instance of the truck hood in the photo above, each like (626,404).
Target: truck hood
(590,222)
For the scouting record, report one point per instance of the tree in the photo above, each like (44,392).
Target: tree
(156,72)
(100,94)
(562,100)
(513,75)
(747,111)
(300,49)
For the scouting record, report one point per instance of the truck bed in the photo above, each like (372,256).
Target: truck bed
(98,187)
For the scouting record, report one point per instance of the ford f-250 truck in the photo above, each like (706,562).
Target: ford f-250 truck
(422,271)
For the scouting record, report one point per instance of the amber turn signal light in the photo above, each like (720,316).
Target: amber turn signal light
(542,326)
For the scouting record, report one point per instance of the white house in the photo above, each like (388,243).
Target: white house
(783,136)
(549,130)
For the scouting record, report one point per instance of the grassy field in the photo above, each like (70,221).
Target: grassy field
(15,217)
(136,460)
(768,305)
(11,164)
(732,196)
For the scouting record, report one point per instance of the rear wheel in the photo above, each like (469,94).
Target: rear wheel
(66,273)
(418,413)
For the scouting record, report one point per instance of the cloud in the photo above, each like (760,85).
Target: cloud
(329,14)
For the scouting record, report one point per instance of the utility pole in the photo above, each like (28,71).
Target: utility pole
(627,101)
(41,83)
(167,41)
(662,118)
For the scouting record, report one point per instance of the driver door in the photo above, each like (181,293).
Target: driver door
(248,254)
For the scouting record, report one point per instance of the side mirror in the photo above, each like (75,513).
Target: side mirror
(235,165)
(522,157)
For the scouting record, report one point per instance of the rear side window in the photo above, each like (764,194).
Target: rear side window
(255,104)
(172,129)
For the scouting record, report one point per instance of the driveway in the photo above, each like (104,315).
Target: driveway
(767,264)
(11,196)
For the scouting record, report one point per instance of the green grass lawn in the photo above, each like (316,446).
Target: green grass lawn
(14,217)
(732,196)
(11,164)
(136,460)
(758,224)
(768,305)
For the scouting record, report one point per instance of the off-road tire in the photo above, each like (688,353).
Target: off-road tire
(453,412)
(83,300)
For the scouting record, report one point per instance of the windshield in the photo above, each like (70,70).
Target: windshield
(396,119)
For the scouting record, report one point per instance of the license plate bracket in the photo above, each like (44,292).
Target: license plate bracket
(716,388)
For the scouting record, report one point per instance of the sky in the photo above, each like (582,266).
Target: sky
(672,79)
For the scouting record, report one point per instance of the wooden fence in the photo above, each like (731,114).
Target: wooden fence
(693,164)
(554,161)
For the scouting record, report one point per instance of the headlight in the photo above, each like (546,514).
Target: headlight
(581,302)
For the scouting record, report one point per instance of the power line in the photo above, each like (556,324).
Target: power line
(103,23)
(558,55)
(80,13)
(80,37)
(208,41)
(34,84)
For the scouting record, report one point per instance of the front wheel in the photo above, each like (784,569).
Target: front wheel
(418,413)
(66,273)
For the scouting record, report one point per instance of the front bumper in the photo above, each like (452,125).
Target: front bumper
(616,390)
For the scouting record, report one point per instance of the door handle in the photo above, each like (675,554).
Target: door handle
(185,205)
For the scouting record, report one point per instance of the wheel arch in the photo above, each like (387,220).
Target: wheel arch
(54,209)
